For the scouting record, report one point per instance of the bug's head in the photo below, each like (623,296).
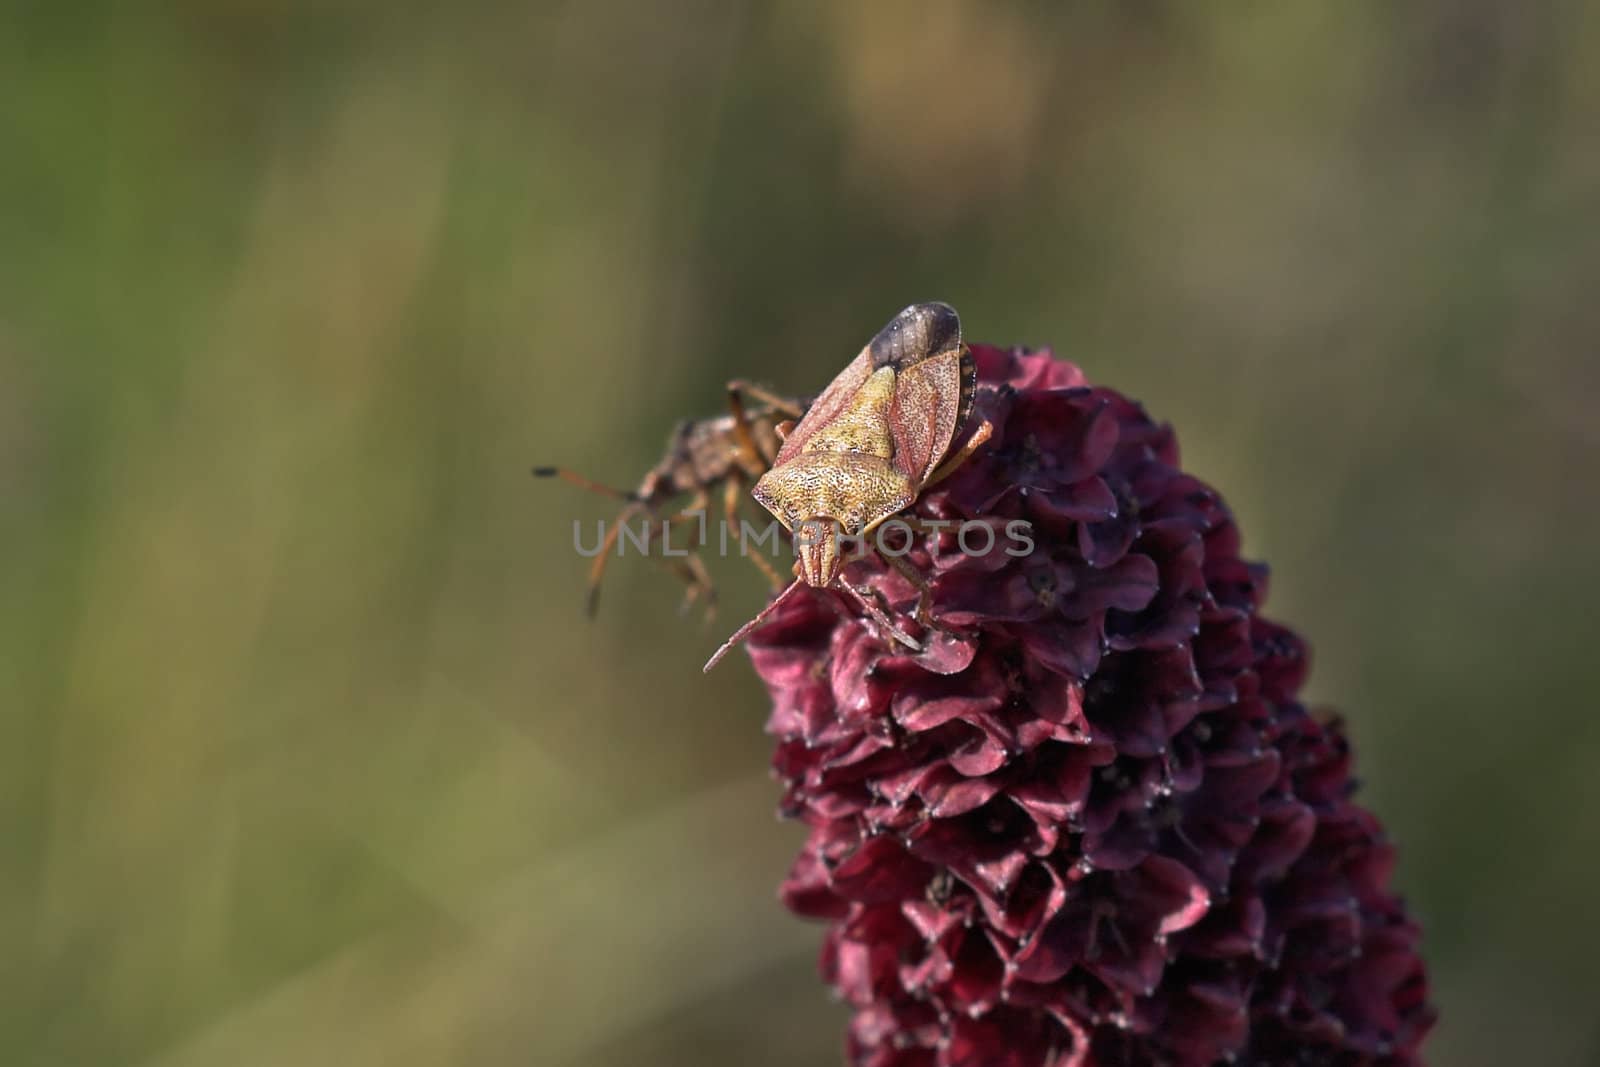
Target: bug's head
(818,544)
(823,508)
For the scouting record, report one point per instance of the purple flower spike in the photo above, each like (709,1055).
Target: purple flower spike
(1089,823)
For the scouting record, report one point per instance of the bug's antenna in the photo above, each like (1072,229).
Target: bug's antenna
(584,483)
(744,631)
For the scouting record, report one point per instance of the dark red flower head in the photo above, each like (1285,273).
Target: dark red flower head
(1090,823)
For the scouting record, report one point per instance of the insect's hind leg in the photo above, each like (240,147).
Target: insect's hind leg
(750,453)
(597,569)
(920,582)
(700,589)
(689,567)
(944,470)
(916,527)
(867,598)
(751,458)
(786,404)
(730,512)
(635,505)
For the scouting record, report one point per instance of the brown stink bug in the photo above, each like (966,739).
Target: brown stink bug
(725,452)
(881,433)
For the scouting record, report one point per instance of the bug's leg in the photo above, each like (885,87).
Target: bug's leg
(707,588)
(697,582)
(920,527)
(738,389)
(784,429)
(750,457)
(691,568)
(583,483)
(960,455)
(786,404)
(730,508)
(597,569)
(768,570)
(696,509)
(867,600)
(919,582)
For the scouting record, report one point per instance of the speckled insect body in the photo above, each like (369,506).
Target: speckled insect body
(721,454)
(874,438)
(880,434)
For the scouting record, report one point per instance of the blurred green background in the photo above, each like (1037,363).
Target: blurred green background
(307,754)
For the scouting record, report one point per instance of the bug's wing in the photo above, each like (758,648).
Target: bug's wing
(927,413)
(969,391)
(920,332)
(934,386)
(826,407)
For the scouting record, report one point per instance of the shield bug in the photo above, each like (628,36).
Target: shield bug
(725,453)
(882,432)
